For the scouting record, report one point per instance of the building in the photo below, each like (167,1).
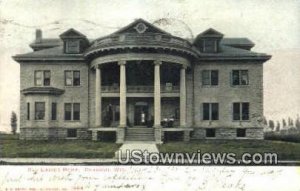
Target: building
(141,83)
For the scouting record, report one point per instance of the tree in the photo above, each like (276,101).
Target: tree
(271,124)
(277,126)
(283,123)
(13,122)
(297,122)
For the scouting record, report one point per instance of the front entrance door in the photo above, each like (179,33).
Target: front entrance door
(140,114)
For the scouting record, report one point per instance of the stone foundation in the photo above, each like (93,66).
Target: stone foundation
(53,133)
(227,133)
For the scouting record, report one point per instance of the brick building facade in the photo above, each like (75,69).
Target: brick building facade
(141,83)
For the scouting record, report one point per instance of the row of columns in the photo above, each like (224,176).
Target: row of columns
(157,95)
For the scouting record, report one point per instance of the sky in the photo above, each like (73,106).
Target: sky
(274,26)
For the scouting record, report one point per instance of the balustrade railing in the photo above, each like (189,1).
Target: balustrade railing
(140,89)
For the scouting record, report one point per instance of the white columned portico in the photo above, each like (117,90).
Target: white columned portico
(98,109)
(123,115)
(183,96)
(157,97)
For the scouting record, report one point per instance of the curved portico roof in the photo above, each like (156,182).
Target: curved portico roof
(140,35)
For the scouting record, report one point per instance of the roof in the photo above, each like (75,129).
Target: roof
(210,33)
(232,53)
(43,90)
(236,41)
(72,33)
(55,53)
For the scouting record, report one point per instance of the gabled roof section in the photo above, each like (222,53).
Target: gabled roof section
(72,33)
(140,26)
(211,33)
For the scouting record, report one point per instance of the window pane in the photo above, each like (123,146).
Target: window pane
(76,111)
(210,46)
(28,111)
(76,78)
(215,111)
(245,111)
(244,77)
(68,108)
(210,132)
(38,78)
(39,110)
(235,77)
(72,46)
(214,77)
(53,111)
(47,77)
(205,77)
(205,111)
(72,133)
(236,111)
(241,132)
(68,78)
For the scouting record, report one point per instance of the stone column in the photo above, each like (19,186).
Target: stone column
(123,118)
(157,98)
(98,109)
(183,97)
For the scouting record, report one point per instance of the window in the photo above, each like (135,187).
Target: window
(72,78)
(210,111)
(72,46)
(42,78)
(72,111)
(71,133)
(28,111)
(210,77)
(241,132)
(76,111)
(241,111)
(240,77)
(210,133)
(39,110)
(210,46)
(53,111)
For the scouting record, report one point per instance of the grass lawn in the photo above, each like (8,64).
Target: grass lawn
(10,146)
(284,150)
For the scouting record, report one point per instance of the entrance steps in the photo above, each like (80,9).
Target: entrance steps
(139,134)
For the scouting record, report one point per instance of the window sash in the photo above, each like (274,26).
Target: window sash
(214,77)
(68,78)
(38,76)
(244,77)
(205,77)
(214,111)
(68,111)
(236,111)
(206,111)
(54,111)
(39,110)
(28,111)
(245,111)
(76,78)
(76,111)
(47,78)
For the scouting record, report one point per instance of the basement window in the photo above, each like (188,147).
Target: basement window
(72,133)
(241,132)
(210,133)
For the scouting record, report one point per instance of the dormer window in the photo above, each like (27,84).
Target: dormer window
(208,41)
(74,42)
(72,46)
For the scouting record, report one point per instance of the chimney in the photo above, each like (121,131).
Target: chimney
(38,36)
